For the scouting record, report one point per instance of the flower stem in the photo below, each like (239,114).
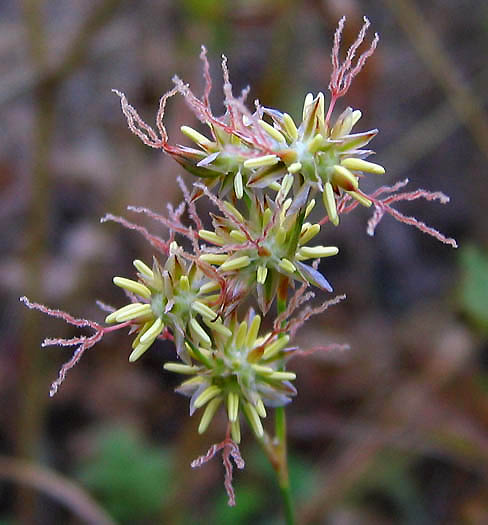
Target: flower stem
(280,460)
(281,467)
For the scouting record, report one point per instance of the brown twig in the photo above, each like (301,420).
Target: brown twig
(462,98)
(56,487)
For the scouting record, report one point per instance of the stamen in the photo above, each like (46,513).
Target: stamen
(232,406)
(208,414)
(235,264)
(203,310)
(180,368)
(275,347)
(143,269)
(290,126)
(295,167)
(287,266)
(155,329)
(261,162)
(253,331)
(330,203)
(271,131)
(254,419)
(211,236)
(314,252)
(238,187)
(344,178)
(208,394)
(214,258)
(363,165)
(132,286)
(197,137)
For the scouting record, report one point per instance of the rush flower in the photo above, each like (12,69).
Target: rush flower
(266,172)
(246,153)
(241,372)
(178,296)
(266,246)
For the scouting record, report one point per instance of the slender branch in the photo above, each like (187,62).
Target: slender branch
(56,487)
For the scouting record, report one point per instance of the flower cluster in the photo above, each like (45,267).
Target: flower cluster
(262,172)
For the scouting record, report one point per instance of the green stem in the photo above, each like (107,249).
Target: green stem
(280,460)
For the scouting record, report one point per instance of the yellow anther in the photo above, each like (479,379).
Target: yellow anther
(233,211)
(286,205)
(283,376)
(316,143)
(241,335)
(308,100)
(238,186)
(238,236)
(214,258)
(197,137)
(314,252)
(235,264)
(132,286)
(272,132)
(129,312)
(261,162)
(210,236)
(218,327)
(275,347)
(290,126)
(267,214)
(261,274)
(344,178)
(254,419)
(141,332)
(362,165)
(309,233)
(203,310)
(180,368)
(287,266)
(235,430)
(356,115)
(260,409)
(208,394)
(143,269)
(232,406)
(309,208)
(184,283)
(286,185)
(208,414)
(200,332)
(139,350)
(362,200)
(151,333)
(253,331)
(209,287)
(295,167)
(263,370)
(330,203)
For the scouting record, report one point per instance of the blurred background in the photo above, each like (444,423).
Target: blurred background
(392,431)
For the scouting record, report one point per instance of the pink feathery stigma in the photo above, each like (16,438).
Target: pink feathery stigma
(170,224)
(343,74)
(295,323)
(229,450)
(382,206)
(206,76)
(155,241)
(83,342)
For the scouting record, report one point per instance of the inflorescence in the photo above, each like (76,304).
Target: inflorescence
(263,173)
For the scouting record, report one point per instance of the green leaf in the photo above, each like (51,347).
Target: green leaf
(473,296)
(130,478)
